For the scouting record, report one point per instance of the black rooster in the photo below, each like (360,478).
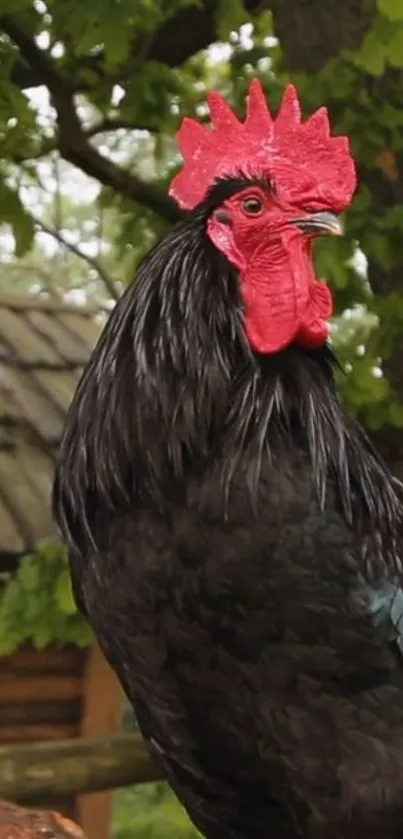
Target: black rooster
(234,539)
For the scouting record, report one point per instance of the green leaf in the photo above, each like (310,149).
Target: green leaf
(14,6)
(391,9)
(396,414)
(36,603)
(28,574)
(64,595)
(81,634)
(372,56)
(116,40)
(395,48)
(9,641)
(13,213)
(42,637)
(231,14)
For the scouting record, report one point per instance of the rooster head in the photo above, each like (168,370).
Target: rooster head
(273,186)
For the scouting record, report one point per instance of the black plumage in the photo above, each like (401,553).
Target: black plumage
(236,544)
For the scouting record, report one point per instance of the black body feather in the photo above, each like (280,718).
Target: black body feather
(236,544)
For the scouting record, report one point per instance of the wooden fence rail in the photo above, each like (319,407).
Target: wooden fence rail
(42,772)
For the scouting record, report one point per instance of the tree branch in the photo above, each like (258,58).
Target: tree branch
(90,260)
(90,161)
(42,64)
(103,126)
(44,772)
(74,145)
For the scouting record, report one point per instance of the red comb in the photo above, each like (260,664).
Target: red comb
(255,146)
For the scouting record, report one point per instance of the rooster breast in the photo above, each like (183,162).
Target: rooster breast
(260,664)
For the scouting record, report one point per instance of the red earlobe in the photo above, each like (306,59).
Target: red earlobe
(222,237)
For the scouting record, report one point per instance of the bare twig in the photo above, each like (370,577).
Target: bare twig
(76,250)
(115,124)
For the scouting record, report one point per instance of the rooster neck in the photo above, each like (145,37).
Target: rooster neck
(173,391)
(283,402)
(288,416)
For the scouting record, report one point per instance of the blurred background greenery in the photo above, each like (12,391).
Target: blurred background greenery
(91,95)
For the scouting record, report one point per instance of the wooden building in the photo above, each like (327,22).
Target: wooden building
(65,692)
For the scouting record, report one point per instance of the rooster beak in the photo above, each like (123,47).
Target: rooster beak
(320,224)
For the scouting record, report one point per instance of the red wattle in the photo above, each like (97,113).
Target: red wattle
(277,314)
(314,328)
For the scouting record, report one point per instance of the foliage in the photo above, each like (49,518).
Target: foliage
(37,606)
(150,812)
(384,42)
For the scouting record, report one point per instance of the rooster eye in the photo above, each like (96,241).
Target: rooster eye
(252,206)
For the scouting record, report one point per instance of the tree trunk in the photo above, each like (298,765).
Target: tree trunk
(44,772)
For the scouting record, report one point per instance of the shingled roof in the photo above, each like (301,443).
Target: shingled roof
(44,344)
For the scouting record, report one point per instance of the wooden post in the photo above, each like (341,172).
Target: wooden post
(101,714)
